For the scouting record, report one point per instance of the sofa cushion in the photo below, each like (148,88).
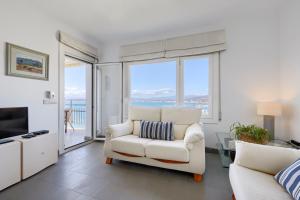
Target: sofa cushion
(130,144)
(144,113)
(249,184)
(264,158)
(136,127)
(179,131)
(117,130)
(157,130)
(167,150)
(289,178)
(181,115)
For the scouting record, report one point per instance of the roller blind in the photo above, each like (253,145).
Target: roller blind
(78,45)
(195,44)
(143,51)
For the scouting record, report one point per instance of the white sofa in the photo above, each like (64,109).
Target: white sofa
(185,153)
(252,173)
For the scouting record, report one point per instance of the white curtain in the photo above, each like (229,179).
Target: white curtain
(196,44)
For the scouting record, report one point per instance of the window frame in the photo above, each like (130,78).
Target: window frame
(214,83)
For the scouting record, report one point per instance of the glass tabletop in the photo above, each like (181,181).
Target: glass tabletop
(226,140)
(280,143)
(226,146)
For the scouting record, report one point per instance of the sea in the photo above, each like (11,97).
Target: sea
(167,104)
(79,108)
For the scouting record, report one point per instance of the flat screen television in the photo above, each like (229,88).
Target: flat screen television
(13,122)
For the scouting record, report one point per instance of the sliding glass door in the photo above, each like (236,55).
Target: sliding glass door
(77,102)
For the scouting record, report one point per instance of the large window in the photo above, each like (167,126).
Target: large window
(185,81)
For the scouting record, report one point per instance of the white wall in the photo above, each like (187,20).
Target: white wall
(249,71)
(24,26)
(249,67)
(290,69)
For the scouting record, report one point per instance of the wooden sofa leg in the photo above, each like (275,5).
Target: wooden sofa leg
(198,177)
(233,197)
(109,161)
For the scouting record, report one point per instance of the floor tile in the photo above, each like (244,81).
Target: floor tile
(82,175)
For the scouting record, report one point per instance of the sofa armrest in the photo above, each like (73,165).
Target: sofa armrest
(193,134)
(118,130)
(264,158)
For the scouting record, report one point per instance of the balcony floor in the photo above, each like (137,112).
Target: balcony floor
(74,137)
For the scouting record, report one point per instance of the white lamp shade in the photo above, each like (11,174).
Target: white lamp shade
(268,108)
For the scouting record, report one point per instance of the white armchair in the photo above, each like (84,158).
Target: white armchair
(252,173)
(185,153)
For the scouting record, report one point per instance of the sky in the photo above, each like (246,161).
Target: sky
(159,79)
(75,78)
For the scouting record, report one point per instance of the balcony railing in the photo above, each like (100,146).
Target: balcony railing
(78,107)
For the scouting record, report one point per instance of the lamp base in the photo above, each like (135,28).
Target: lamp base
(269,122)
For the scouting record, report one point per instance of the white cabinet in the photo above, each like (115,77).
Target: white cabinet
(38,153)
(10,164)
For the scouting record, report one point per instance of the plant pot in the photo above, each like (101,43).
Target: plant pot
(248,138)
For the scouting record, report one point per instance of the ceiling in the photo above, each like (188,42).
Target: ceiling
(119,20)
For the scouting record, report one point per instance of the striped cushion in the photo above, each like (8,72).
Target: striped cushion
(157,130)
(289,178)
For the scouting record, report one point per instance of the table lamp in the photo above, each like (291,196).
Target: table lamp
(269,110)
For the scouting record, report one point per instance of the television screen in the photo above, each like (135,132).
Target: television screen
(13,122)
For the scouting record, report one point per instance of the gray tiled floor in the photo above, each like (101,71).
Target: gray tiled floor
(82,175)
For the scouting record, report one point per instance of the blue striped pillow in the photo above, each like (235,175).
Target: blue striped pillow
(289,178)
(157,130)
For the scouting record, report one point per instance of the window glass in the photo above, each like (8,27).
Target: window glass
(196,83)
(153,84)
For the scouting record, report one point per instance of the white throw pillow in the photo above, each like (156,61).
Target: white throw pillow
(136,127)
(179,131)
(193,135)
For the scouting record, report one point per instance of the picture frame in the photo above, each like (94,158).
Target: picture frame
(26,63)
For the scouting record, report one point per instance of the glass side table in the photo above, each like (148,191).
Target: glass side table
(226,147)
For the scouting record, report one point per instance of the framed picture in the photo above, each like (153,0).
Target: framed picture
(27,63)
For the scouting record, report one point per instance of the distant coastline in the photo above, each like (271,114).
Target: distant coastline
(169,104)
(79,107)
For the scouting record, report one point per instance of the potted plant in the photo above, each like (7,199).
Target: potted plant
(250,133)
